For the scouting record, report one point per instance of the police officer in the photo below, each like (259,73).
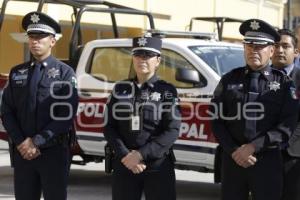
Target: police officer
(283,59)
(143,122)
(37,109)
(297,35)
(256,112)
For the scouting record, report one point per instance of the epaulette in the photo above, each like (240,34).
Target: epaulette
(236,70)
(20,66)
(163,82)
(277,71)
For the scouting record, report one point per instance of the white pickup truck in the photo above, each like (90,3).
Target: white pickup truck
(103,62)
(201,63)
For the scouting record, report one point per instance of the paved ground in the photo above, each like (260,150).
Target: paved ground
(91,183)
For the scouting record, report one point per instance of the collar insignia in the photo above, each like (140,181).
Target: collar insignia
(266,73)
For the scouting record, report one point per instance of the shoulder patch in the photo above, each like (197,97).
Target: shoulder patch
(74,81)
(293,93)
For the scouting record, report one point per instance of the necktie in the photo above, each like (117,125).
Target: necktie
(32,96)
(33,87)
(250,121)
(284,71)
(253,84)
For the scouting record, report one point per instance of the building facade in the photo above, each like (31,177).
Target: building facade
(169,15)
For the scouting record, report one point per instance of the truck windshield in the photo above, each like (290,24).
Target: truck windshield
(221,59)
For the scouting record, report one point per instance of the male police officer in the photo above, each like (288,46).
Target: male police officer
(257,111)
(142,125)
(283,59)
(38,106)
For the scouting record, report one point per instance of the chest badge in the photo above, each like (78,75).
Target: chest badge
(22,71)
(52,73)
(155,96)
(274,85)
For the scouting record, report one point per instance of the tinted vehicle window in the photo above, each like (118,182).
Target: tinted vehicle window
(170,62)
(113,64)
(221,59)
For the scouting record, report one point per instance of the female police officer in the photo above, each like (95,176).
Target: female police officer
(143,122)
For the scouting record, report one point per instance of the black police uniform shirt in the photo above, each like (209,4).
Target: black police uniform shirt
(276,94)
(21,124)
(158,128)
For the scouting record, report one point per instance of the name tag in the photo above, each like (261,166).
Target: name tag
(20,77)
(135,123)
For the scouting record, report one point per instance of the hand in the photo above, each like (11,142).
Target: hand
(139,168)
(132,159)
(243,156)
(28,150)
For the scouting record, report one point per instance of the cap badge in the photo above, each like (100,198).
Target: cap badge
(254,25)
(142,41)
(52,73)
(274,85)
(155,96)
(35,18)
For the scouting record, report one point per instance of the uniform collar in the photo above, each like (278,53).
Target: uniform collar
(266,71)
(289,69)
(49,61)
(150,82)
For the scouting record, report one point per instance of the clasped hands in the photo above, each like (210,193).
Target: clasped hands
(28,150)
(243,156)
(133,161)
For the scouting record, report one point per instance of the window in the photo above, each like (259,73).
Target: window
(111,64)
(170,62)
(221,59)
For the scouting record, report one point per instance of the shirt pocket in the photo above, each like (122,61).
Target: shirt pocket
(151,114)
(271,97)
(53,89)
(234,96)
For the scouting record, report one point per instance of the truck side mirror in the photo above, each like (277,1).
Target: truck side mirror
(187,76)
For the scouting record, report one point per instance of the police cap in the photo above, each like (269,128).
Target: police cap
(40,23)
(257,31)
(148,44)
